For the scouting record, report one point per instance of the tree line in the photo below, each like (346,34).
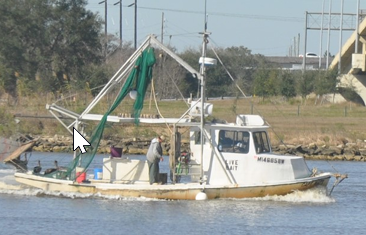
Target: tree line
(53,46)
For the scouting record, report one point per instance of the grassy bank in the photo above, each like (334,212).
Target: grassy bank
(291,122)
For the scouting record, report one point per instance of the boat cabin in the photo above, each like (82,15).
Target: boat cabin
(241,153)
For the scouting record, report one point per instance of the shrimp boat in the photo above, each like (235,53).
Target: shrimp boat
(225,160)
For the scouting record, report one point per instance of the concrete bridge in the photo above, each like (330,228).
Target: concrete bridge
(353,67)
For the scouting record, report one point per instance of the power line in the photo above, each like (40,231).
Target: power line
(259,17)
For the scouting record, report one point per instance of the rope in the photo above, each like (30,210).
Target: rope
(339,179)
(157,106)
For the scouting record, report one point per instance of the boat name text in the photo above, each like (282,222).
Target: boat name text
(271,160)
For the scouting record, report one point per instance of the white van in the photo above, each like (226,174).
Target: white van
(310,55)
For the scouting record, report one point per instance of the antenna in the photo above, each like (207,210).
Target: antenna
(205,16)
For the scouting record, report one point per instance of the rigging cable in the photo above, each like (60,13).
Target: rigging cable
(176,86)
(227,71)
(231,77)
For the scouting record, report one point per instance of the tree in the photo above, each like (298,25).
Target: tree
(305,83)
(97,76)
(266,80)
(48,39)
(241,64)
(326,82)
(287,85)
(20,39)
(191,56)
(273,82)
(73,38)
(238,61)
(259,85)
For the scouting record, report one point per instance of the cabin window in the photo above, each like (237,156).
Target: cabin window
(197,137)
(234,141)
(261,142)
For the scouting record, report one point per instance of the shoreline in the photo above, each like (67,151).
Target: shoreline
(343,152)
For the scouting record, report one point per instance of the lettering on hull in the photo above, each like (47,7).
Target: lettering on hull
(231,165)
(271,160)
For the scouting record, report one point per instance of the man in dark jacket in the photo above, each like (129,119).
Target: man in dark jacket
(154,155)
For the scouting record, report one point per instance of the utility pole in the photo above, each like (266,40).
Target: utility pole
(120,22)
(340,39)
(105,27)
(162,28)
(321,37)
(298,44)
(135,25)
(345,25)
(305,41)
(329,26)
(357,26)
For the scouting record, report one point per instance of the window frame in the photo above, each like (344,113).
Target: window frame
(261,142)
(232,141)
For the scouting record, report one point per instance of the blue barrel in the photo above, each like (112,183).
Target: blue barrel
(98,174)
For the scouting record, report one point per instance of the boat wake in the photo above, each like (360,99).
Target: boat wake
(20,190)
(314,195)
(28,191)
(8,184)
(75,195)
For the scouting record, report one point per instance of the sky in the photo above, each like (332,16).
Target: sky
(267,27)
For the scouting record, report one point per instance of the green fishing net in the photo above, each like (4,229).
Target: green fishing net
(139,79)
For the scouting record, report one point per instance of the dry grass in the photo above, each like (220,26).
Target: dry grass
(294,124)
(300,124)
(290,122)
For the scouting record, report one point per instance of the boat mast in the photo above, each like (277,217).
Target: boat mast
(202,79)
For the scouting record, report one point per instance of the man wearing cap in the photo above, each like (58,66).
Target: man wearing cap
(154,155)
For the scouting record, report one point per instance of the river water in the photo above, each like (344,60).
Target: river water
(33,211)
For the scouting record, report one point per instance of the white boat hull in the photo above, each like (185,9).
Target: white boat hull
(171,191)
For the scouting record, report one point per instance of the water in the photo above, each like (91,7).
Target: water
(33,211)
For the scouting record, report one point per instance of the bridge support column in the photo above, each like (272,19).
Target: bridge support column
(356,82)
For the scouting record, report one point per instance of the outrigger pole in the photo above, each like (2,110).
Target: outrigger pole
(116,79)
